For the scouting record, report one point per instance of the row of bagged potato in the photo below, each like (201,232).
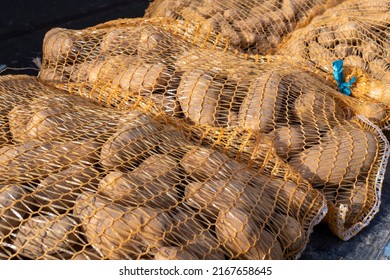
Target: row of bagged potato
(356,32)
(308,124)
(118,65)
(79,180)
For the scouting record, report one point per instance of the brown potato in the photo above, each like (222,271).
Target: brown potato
(289,231)
(190,232)
(243,238)
(118,232)
(119,40)
(15,204)
(43,236)
(198,96)
(58,191)
(356,200)
(344,154)
(133,143)
(318,110)
(290,140)
(153,183)
(261,106)
(80,123)
(35,160)
(57,44)
(214,196)
(202,163)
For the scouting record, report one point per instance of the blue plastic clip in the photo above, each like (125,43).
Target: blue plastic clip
(338,74)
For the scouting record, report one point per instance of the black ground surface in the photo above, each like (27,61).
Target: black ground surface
(23,25)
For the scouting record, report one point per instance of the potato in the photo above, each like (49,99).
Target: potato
(81,123)
(291,197)
(57,44)
(35,160)
(45,235)
(376,112)
(243,239)
(290,232)
(326,37)
(355,199)
(121,40)
(290,140)
(15,204)
(118,232)
(202,163)
(198,96)
(343,155)
(58,191)
(134,142)
(131,74)
(349,30)
(190,232)
(168,104)
(153,183)
(261,106)
(214,196)
(318,110)
(174,253)
(41,109)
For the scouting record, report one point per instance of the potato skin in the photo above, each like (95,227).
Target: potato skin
(261,106)
(318,110)
(59,190)
(289,231)
(343,155)
(243,239)
(46,235)
(57,44)
(35,160)
(133,143)
(119,232)
(355,199)
(153,183)
(15,204)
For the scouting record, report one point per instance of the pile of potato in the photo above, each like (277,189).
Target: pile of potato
(249,26)
(357,32)
(80,181)
(274,110)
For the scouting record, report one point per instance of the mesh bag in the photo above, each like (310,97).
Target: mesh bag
(81,181)
(357,32)
(271,114)
(249,26)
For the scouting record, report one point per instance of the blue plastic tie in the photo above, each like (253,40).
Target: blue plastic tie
(338,74)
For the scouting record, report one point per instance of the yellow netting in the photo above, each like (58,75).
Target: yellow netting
(159,139)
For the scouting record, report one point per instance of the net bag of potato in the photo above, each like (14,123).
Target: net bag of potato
(83,181)
(271,114)
(246,26)
(356,32)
